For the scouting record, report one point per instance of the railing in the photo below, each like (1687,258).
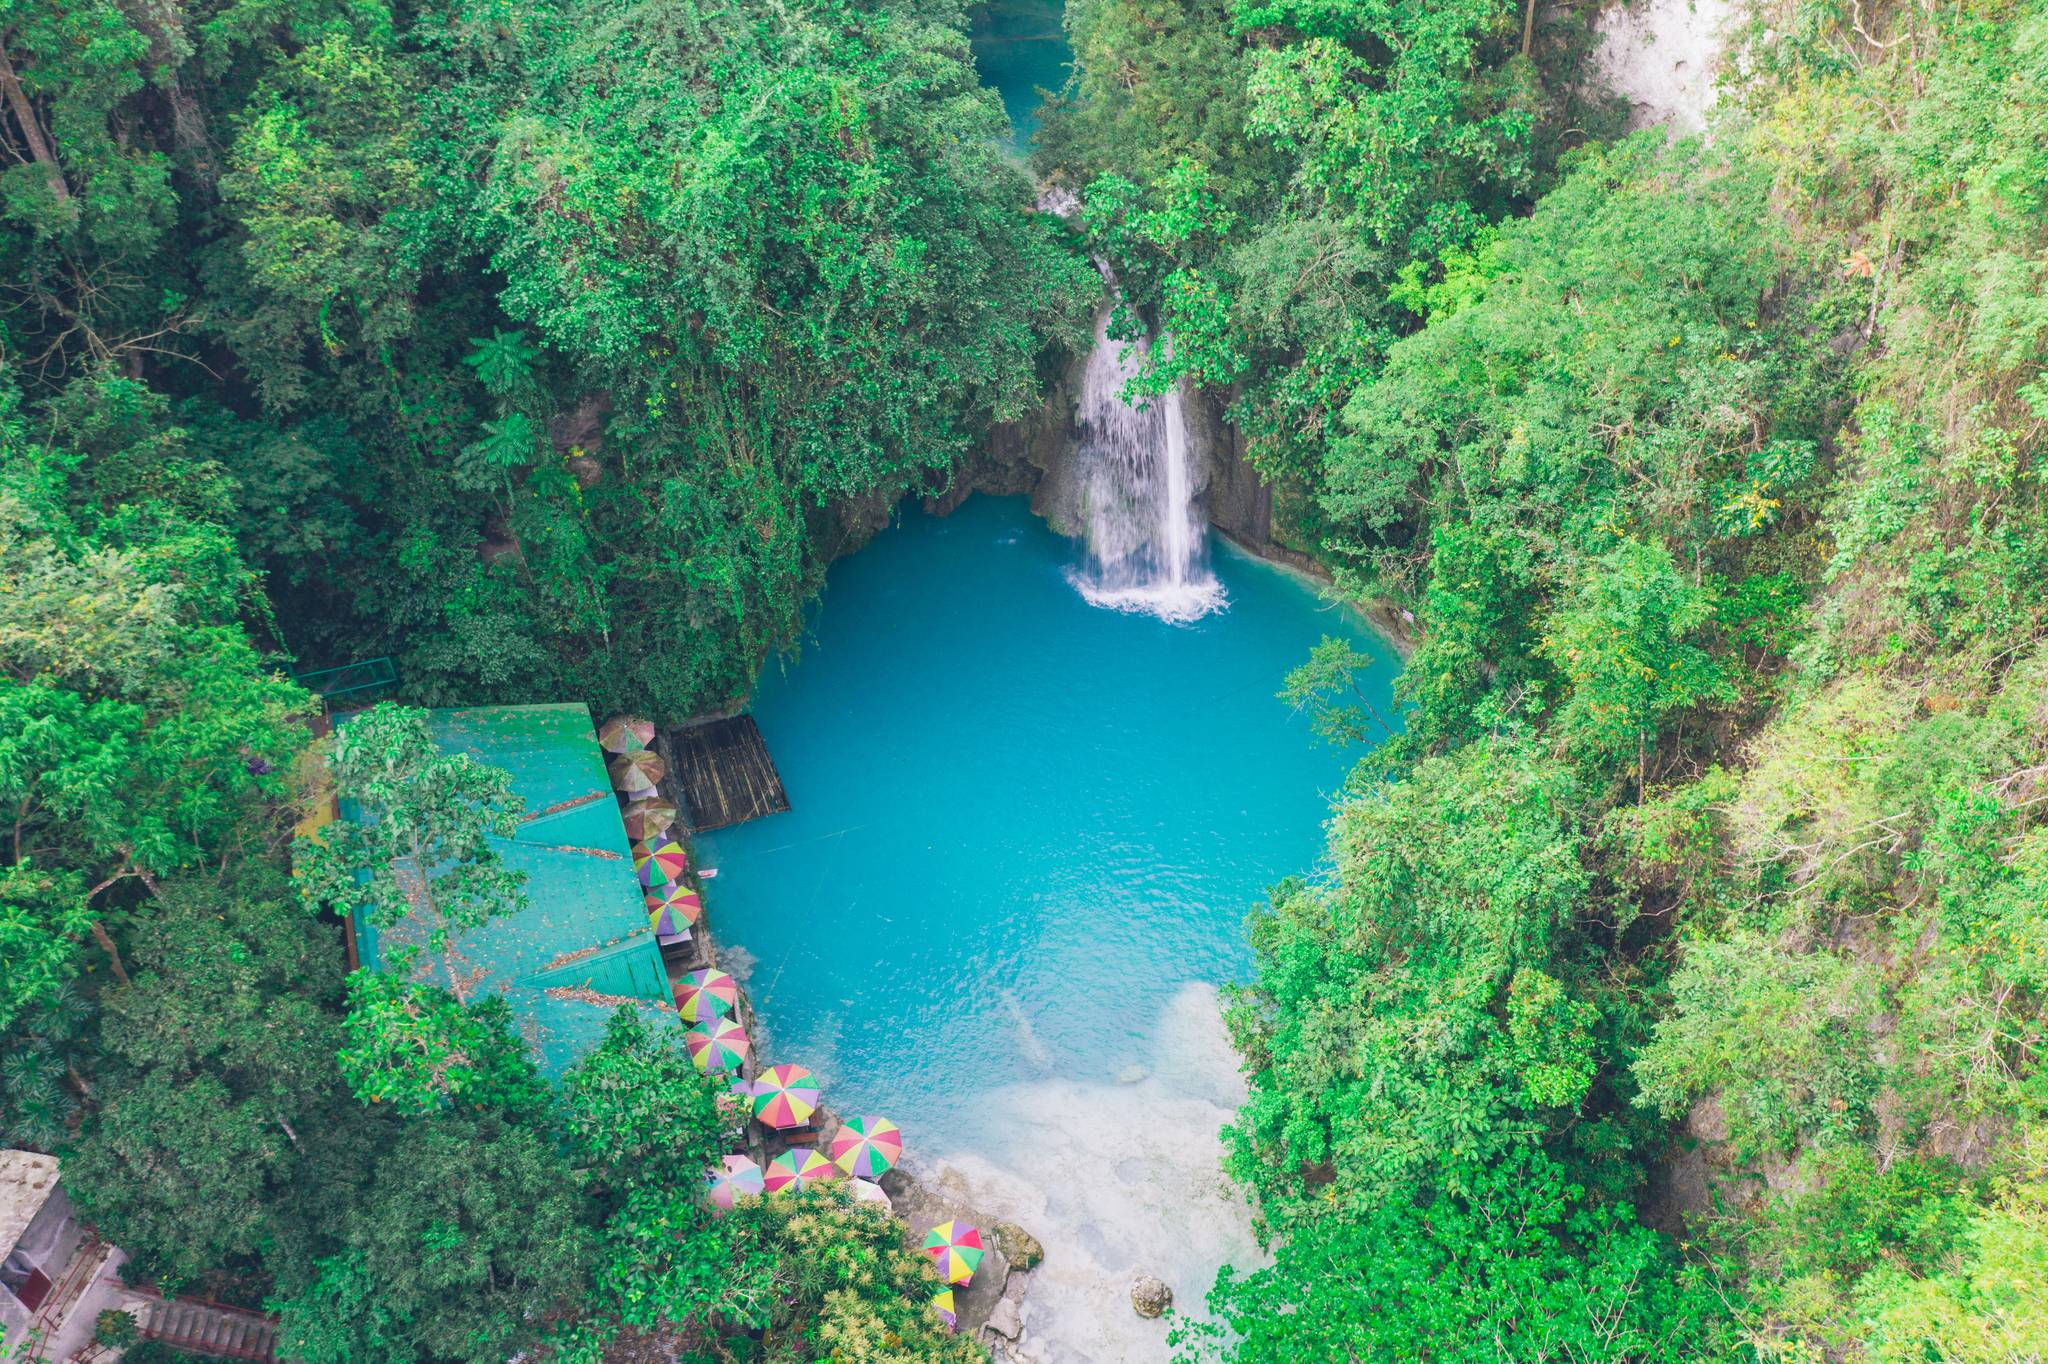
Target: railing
(350,677)
(67,1288)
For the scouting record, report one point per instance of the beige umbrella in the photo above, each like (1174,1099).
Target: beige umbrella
(625,734)
(637,774)
(647,820)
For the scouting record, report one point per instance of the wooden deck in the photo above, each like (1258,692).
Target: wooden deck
(723,773)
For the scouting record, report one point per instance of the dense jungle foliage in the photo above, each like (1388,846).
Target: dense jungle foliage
(549,349)
(1678,990)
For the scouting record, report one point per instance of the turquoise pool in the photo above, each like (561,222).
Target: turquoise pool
(1020,825)
(1020,46)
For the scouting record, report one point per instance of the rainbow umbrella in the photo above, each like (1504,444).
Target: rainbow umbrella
(865,1192)
(625,734)
(649,818)
(717,1044)
(798,1169)
(672,909)
(942,1303)
(867,1146)
(738,1178)
(785,1096)
(655,877)
(667,857)
(666,851)
(706,994)
(638,773)
(956,1249)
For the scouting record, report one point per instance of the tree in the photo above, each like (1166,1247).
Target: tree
(1989,1303)
(40,1056)
(419,846)
(140,725)
(1515,1264)
(466,1240)
(42,918)
(812,1276)
(1376,1031)
(815,1275)
(796,262)
(1327,687)
(639,1110)
(1626,640)
(220,1063)
(420,1050)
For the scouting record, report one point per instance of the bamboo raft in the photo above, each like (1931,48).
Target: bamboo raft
(723,773)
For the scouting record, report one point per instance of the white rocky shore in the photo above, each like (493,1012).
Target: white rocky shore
(1119,1180)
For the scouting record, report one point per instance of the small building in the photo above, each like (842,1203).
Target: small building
(583,945)
(42,1247)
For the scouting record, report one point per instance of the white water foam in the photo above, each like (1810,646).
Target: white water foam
(1116,1180)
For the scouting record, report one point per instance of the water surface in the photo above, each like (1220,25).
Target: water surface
(1020,47)
(1024,836)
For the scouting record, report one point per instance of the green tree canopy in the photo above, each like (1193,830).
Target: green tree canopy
(419,847)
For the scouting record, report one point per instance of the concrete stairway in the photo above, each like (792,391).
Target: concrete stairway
(211,1329)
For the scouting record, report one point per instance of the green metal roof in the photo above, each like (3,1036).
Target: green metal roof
(582,945)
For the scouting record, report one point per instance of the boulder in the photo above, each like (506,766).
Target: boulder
(1018,1246)
(1005,1320)
(1150,1297)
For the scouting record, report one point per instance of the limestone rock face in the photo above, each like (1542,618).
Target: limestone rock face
(1150,1297)
(1018,1246)
(1663,57)
(1236,500)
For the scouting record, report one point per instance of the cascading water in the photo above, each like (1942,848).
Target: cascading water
(1147,546)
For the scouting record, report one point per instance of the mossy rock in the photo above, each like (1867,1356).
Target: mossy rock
(1018,1246)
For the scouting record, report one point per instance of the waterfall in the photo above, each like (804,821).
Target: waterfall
(1147,545)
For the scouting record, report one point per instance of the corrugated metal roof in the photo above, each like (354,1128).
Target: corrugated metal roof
(582,945)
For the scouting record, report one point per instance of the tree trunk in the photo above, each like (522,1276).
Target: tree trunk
(31,127)
(164,26)
(1528,26)
(99,933)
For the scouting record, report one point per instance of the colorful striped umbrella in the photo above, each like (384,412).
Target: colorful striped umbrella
(942,1303)
(866,1192)
(867,1146)
(717,1044)
(625,734)
(672,909)
(738,1178)
(709,993)
(668,856)
(637,774)
(956,1249)
(686,903)
(785,1096)
(649,818)
(798,1169)
(653,880)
